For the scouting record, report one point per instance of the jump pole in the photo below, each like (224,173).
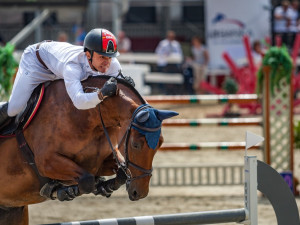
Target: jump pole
(202,99)
(213,122)
(226,146)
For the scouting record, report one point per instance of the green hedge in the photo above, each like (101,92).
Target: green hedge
(8,66)
(280,62)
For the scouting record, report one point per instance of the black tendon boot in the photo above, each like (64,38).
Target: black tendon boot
(3,113)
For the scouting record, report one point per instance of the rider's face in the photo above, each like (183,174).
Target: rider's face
(100,62)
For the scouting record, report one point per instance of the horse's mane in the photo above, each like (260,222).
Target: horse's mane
(120,81)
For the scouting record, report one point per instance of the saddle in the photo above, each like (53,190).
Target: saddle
(23,119)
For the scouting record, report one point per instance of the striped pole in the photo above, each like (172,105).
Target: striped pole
(212,122)
(202,99)
(194,218)
(205,146)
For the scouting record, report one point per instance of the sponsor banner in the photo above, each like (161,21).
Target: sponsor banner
(226,23)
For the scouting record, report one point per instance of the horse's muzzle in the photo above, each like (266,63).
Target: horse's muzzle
(135,195)
(138,188)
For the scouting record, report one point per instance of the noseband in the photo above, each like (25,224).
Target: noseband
(125,165)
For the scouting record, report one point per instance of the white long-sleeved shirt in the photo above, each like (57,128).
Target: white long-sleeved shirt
(280,25)
(69,62)
(167,48)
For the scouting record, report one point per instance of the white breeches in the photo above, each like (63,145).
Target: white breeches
(30,74)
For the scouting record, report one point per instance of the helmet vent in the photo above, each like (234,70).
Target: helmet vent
(110,47)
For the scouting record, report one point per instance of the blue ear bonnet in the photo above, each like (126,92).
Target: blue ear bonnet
(147,118)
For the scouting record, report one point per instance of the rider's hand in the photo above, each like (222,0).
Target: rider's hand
(129,80)
(108,89)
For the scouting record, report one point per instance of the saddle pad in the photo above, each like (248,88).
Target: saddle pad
(22,120)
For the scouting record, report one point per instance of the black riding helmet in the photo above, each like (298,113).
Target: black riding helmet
(101,41)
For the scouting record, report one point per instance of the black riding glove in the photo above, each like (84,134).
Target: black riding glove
(108,89)
(129,80)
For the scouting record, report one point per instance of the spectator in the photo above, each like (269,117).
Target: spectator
(282,21)
(62,37)
(167,47)
(124,43)
(294,16)
(257,53)
(79,35)
(200,59)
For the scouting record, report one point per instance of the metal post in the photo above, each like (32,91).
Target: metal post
(116,26)
(251,190)
(92,14)
(38,30)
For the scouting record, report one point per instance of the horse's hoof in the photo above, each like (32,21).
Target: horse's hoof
(48,189)
(67,193)
(86,184)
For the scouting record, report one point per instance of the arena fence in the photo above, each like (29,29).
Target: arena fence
(198,175)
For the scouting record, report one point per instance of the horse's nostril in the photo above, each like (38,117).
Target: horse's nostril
(135,194)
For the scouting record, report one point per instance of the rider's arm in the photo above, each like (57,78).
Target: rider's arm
(72,77)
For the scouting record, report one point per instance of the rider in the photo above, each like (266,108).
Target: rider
(50,60)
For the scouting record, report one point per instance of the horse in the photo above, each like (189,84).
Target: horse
(75,147)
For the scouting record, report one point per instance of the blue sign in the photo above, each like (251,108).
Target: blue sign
(288,177)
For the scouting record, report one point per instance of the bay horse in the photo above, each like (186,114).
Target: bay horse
(69,145)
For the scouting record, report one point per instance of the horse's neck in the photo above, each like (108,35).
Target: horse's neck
(118,110)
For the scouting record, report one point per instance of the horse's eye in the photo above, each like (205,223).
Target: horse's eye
(137,144)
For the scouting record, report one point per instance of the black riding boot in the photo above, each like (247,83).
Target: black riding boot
(3,113)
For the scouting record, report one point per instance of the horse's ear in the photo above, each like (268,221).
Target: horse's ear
(142,116)
(165,114)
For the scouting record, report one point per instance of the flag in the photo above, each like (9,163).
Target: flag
(252,139)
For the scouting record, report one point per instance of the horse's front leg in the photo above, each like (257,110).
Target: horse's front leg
(56,190)
(107,187)
(60,168)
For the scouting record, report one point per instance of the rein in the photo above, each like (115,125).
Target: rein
(125,165)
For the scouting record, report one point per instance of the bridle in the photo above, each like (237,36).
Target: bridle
(124,165)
